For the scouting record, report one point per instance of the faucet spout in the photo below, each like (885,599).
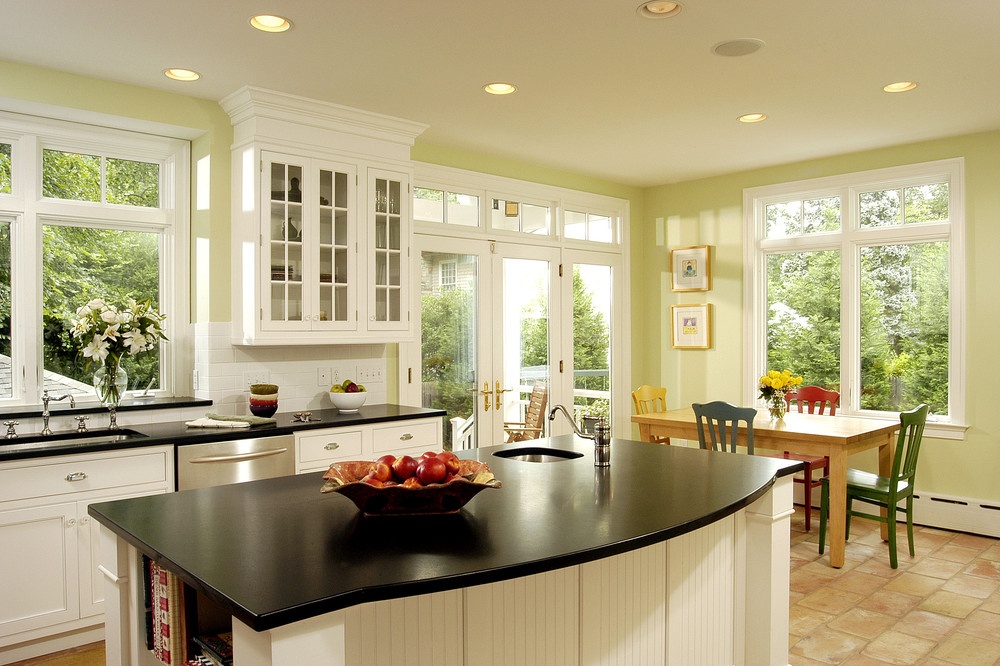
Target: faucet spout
(46,398)
(569,417)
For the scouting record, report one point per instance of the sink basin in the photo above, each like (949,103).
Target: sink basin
(538,454)
(74,438)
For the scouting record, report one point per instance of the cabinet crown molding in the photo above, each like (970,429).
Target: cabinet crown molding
(251,103)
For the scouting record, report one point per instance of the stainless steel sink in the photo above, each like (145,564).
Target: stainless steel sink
(74,438)
(538,454)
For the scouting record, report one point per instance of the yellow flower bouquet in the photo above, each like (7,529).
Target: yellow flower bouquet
(773,387)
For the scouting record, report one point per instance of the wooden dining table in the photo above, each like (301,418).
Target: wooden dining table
(834,436)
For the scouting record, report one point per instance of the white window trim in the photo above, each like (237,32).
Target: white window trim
(849,240)
(79,131)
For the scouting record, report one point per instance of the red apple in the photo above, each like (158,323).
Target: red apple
(431,470)
(412,482)
(380,471)
(450,461)
(372,481)
(351,388)
(428,454)
(388,459)
(404,467)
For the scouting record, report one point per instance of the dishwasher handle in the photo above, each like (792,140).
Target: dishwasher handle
(239,456)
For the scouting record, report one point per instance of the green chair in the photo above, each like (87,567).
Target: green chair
(723,421)
(885,492)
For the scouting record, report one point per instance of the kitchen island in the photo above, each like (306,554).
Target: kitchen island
(670,555)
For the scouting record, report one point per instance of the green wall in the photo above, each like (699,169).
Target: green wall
(710,212)
(707,211)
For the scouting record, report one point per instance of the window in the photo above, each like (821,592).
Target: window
(98,218)
(431,205)
(595,227)
(849,284)
(448,274)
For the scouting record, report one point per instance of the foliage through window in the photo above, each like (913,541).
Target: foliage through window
(852,286)
(100,227)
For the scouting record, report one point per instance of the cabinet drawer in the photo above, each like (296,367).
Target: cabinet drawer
(334,444)
(415,434)
(83,475)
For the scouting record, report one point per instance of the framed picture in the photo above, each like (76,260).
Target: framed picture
(691,326)
(690,268)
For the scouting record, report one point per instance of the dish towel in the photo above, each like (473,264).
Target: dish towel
(222,421)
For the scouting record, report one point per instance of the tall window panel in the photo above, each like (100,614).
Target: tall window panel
(97,217)
(850,282)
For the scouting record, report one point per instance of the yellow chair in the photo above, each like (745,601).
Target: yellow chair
(648,400)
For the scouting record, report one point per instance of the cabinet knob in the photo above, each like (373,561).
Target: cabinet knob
(76,476)
(70,522)
(332,446)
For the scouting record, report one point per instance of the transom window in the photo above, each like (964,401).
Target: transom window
(850,284)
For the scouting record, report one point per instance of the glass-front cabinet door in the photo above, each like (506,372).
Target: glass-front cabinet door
(308,238)
(388,229)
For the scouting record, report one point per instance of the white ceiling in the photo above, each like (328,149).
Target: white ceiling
(602,92)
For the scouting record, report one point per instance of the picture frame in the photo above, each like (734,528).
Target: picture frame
(691,326)
(691,268)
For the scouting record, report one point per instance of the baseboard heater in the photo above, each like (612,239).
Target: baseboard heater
(958,514)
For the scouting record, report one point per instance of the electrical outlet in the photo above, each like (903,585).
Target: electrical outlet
(323,377)
(336,378)
(255,377)
(195,380)
(369,373)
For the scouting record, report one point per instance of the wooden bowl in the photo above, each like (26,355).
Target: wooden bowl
(438,498)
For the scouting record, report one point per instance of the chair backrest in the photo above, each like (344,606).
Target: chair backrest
(814,398)
(723,421)
(534,414)
(911,433)
(649,399)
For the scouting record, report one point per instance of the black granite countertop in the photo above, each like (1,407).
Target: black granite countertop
(177,433)
(277,551)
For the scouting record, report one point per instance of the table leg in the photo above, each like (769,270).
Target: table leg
(838,506)
(644,434)
(885,451)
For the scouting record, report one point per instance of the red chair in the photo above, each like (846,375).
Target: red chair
(816,400)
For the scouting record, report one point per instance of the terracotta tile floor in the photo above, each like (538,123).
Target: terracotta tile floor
(939,608)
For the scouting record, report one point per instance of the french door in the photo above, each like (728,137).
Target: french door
(499,320)
(486,338)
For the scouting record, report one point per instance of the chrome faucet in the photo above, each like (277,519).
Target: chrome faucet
(45,408)
(601,436)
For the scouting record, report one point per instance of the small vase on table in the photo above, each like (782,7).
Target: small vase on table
(776,406)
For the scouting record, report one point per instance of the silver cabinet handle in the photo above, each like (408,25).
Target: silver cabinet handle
(406,436)
(238,457)
(332,446)
(76,476)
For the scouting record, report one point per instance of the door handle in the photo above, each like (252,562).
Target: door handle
(238,457)
(498,393)
(486,395)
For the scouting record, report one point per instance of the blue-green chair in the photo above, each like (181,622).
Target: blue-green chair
(723,421)
(884,491)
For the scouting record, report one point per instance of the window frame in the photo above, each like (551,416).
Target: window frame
(848,241)
(29,136)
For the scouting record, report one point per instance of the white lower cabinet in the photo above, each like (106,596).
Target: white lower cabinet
(49,548)
(316,449)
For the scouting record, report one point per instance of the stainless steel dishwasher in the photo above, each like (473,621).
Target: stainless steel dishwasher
(234,461)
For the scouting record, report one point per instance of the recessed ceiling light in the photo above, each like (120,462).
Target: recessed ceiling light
(752,118)
(270,23)
(180,74)
(499,88)
(737,47)
(899,86)
(657,9)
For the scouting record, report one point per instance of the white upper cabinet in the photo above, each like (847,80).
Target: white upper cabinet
(321,222)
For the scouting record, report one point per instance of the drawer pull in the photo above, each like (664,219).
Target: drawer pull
(332,446)
(406,436)
(76,476)
(117,580)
